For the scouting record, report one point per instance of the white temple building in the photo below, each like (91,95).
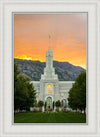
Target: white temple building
(49,89)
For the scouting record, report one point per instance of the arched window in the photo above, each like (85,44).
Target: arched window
(64,103)
(49,89)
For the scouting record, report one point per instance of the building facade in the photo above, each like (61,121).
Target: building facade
(49,89)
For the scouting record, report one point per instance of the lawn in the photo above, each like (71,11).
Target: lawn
(61,117)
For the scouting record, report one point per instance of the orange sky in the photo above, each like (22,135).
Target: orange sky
(68,37)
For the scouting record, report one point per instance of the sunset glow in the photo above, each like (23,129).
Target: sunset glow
(25,57)
(68,37)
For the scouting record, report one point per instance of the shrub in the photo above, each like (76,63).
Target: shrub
(40,103)
(57,109)
(58,103)
(40,110)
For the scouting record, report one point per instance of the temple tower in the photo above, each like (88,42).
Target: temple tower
(49,71)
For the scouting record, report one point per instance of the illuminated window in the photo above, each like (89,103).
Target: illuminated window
(49,89)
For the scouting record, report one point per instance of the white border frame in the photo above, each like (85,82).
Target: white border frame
(93,9)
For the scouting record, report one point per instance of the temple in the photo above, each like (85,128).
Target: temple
(49,89)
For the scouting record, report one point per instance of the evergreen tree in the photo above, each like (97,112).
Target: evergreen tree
(24,93)
(77,94)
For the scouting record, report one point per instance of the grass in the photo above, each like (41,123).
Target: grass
(61,117)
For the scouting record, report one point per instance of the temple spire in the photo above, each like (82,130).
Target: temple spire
(49,40)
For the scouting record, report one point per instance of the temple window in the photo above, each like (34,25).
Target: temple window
(49,89)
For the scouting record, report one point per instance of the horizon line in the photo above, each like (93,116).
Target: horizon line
(53,60)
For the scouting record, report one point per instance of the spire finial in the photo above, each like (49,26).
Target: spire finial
(49,40)
(49,35)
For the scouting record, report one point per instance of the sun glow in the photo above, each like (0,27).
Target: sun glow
(25,57)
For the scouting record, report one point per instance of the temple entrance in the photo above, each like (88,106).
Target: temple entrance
(49,103)
(64,103)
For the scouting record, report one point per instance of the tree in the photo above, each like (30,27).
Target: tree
(16,72)
(40,103)
(24,93)
(77,94)
(30,99)
(58,103)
